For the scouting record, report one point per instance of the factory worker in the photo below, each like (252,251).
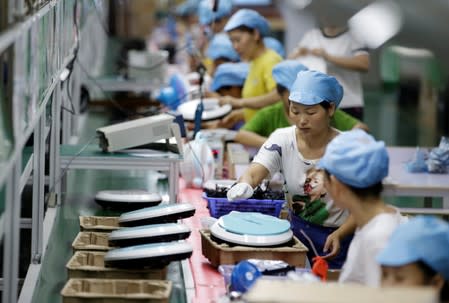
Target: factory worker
(220,51)
(191,35)
(215,20)
(246,29)
(354,166)
(275,45)
(229,79)
(417,254)
(256,131)
(294,151)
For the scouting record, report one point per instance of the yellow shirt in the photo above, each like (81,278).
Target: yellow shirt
(260,80)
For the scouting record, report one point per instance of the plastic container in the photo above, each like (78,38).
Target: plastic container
(221,206)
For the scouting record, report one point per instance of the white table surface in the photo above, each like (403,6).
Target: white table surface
(400,182)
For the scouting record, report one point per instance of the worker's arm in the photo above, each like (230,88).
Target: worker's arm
(359,62)
(362,125)
(249,138)
(253,102)
(231,119)
(334,239)
(254,174)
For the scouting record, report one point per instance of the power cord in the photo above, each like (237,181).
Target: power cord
(66,168)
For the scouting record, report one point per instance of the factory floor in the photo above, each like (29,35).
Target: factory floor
(390,120)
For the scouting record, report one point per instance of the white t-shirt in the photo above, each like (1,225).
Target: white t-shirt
(343,45)
(280,154)
(361,265)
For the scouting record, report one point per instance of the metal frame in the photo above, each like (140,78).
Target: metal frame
(111,162)
(21,35)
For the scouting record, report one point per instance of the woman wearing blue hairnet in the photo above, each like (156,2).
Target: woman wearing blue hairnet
(294,151)
(355,165)
(246,29)
(417,255)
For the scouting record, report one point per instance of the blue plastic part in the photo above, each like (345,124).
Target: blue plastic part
(244,275)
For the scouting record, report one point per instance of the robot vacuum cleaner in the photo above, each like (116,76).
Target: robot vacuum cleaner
(167,213)
(251,229)
(127,199)
(155,255)
(129,236)
(212,109)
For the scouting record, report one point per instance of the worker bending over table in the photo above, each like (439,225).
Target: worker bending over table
(354,166)
(246,29)
(256,131)
(294,151)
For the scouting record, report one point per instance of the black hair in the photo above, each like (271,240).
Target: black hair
(245,28)
(429,273)
(325,104)
(280,89)
(224,59)
(249,30)
(372,191)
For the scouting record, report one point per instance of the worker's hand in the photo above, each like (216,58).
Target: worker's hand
(361,125)
(232,119)
(234,102)
(332,246)
(298,52)
(319,52)
(240,191)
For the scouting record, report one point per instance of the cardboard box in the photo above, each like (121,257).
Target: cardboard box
(116,291)
(237,156)
(219,254)
(90,264)
(99,224)
(87,240)
(288,291)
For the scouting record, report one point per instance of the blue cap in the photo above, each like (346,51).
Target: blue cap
(206,13)
(188,7)
(275,45)
(422,238)
(313,87)
(229,74)
(249,18)
(244,275)
(284,73)
(356,159)
(221,47)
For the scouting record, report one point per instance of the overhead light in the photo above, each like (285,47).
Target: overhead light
(376,23)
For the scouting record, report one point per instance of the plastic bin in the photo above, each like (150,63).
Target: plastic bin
(221,206)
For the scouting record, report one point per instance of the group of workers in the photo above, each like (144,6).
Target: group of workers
(307,124)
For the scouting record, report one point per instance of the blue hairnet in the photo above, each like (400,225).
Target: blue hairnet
(249,18)
(221,47)
(230,74)
(356,159)
(188,7)
(275,45)
(422,238)
(284,73)
(207,15)
(313,87)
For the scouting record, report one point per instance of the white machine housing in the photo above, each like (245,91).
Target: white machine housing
(139,132)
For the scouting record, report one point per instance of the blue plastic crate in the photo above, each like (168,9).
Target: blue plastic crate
(221,206)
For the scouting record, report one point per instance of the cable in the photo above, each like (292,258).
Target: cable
(113,102)
(66,168)
(310,242)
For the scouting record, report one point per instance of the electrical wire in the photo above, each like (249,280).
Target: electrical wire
(66,168)
(310,242)
(123,110)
